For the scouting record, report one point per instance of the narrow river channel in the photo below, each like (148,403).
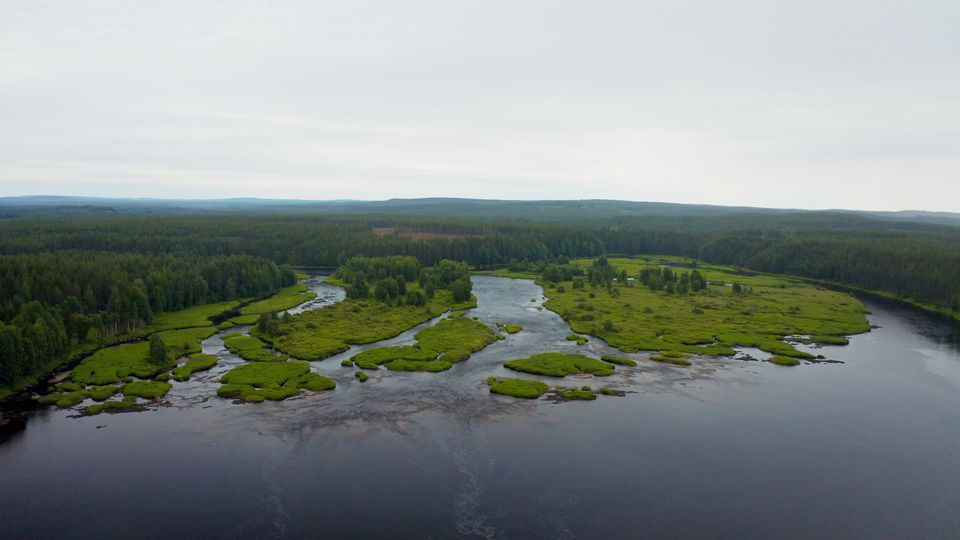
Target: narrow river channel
(726,448)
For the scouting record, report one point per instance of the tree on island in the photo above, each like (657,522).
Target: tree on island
(158,350)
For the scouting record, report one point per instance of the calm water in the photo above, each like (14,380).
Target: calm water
(727,448)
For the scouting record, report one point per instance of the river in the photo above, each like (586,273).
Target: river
(727,448)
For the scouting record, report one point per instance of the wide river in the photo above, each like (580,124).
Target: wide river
(727,448)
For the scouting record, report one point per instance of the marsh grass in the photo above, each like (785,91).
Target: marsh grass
(710,322)
(196,362)
(113,364)
(146,389)
(283,300)
(257,382)
(618,360)
(251,349)
(586,395)
(555,364)
(437,349)
(783,361)
(520,388)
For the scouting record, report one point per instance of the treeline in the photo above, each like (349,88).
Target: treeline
(52,303)
(386,279)
(916,260)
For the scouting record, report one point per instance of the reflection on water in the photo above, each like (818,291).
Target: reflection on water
(725,448)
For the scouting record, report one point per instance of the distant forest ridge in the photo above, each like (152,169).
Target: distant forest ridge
(522,210)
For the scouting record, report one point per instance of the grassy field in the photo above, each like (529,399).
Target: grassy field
(711,321)
(317,334)
(146,389)
(438,347)
(619,360)
(113,364)
(555,364)
(251,349)
(185,341)
(190,317)
(196,362)
(285,299)
(578,394)
(521,388)
(271,380)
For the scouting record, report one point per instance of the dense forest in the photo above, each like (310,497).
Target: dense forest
(51,304)
(916,260)
(78,276)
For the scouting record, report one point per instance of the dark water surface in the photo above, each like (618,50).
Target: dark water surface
(727,448)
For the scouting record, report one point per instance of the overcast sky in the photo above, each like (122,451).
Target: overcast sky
(810,104)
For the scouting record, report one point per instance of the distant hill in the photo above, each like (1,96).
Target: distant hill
(593,210)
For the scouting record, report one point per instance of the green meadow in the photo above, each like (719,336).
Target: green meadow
(766,313)
(317,334)
(285,299)
(437,349)
(250,349)
(261,381)
(554,364)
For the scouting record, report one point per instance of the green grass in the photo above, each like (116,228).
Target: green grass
(271,380)
(113,364)
(197,362)
(585,395)
(361,375)
(190,317)
(784,361)
(456,335)
(710,322)
(65,399)
(185,341)
(263,374)
(374,358)
(510,328)
(618,360)
(670,360)
(581,340)
(438,347)
(251,349)
(285,299)
(432,366)
(319,333)
(454,356)
(102,393)
(146,389)
(520,388)
(825,340)
(313,382)
(347,363)
(126,404)
(555,364)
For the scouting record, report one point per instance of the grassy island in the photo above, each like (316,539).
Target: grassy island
(250,349)
(196,362)
(560,365)
(438,347)
(618,360)
(271,380)
(285,299)
(509,328)
(520,388)
(578,394)
(385,297)
(668,306)
(784,361)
